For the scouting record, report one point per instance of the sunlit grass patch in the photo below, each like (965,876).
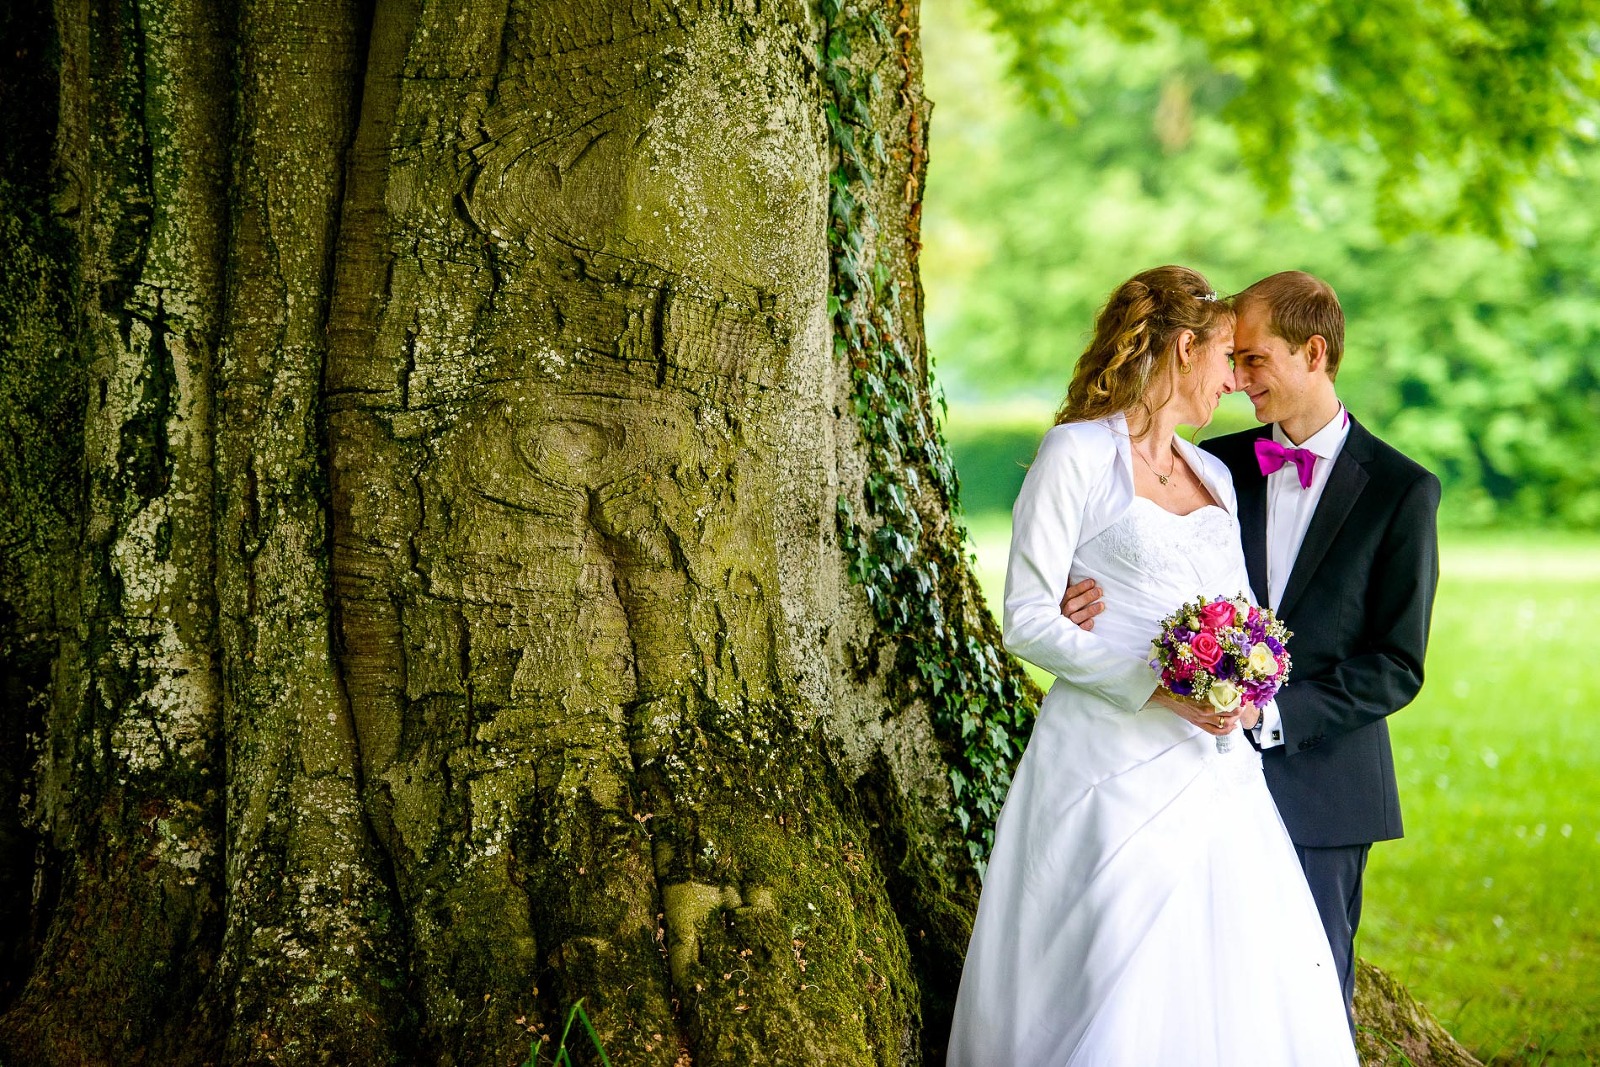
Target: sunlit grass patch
(1490,907)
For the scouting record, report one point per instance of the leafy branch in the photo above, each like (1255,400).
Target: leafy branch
(1461,103)
(907,574)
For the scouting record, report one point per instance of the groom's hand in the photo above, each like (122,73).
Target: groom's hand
(1083,602)
(1249,715)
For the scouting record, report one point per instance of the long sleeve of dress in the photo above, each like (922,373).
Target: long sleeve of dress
(1047,524)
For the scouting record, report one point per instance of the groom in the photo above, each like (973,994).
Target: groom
(1340,539)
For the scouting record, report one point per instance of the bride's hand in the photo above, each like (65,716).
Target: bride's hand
(1199,712)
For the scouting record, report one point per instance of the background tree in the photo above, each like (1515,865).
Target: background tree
(1476,354)
(1458,103)
(476,536)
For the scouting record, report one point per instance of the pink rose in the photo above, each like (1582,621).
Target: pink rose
(1217,615)
(1205,647)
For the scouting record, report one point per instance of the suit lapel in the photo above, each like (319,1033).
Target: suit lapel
(1252,490)
(1345,482)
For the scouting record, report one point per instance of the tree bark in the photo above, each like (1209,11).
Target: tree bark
(474,537)
(437,612)
(115,557)
(1395,1031)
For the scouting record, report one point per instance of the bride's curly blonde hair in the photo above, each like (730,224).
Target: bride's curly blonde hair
(1134,334)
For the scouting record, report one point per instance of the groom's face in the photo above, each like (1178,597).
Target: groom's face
(1277,378)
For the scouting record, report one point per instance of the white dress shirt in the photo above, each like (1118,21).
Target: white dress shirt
(1289,511)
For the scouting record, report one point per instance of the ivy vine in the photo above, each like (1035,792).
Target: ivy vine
(906,575)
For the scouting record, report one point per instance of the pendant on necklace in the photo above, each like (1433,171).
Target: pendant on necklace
(1163,478)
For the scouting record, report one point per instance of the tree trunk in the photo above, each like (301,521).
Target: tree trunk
(474,536)
(1395,1031)
(427,600)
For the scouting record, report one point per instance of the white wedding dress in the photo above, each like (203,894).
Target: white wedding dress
(1143,905)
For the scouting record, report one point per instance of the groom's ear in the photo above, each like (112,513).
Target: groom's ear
(1316,350)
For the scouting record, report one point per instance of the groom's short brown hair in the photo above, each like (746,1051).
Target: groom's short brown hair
(1299,306)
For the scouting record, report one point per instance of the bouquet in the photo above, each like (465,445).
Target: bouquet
(1222,651)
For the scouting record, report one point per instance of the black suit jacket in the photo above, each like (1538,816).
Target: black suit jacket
(1359,601)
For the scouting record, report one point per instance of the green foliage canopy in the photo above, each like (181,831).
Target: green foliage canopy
(1460,100)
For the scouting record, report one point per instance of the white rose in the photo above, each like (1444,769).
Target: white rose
(1225,697)
(1262,661)
(1241,612)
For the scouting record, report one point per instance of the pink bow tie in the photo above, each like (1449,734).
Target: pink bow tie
(1272,456)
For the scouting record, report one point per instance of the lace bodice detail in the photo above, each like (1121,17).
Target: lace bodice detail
(1151,560)
(1153,541)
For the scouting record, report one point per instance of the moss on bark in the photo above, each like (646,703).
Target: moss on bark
(1394,1030)
(128,771)
(41,423)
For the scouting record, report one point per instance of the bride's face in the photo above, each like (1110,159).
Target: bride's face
(1210,376)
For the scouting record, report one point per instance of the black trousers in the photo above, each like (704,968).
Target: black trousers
(1334,875)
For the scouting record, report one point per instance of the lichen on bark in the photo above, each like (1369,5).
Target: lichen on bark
(128,767)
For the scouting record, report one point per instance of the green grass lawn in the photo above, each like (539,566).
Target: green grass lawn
(1489,909)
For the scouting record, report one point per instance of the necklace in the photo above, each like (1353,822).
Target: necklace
(1162,478)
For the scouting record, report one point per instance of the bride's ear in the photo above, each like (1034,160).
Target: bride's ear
(1181,347)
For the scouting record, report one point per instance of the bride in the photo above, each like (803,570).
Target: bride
(1143,905)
